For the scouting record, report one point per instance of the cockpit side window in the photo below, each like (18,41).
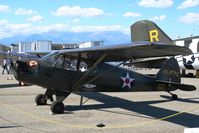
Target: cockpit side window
(63,61)
(60,62)
(72,64)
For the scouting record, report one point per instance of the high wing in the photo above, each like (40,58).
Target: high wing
(124,52)
(17,54)
(27,54)
(40,52)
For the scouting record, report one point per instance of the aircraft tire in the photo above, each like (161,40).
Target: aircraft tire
(57,107)
(174,97)
(39,100)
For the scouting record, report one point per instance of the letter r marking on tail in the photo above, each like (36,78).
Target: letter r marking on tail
(153,35)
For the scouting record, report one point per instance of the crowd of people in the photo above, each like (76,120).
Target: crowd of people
(7,65)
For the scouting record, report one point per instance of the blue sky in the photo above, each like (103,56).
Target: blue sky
(177,18)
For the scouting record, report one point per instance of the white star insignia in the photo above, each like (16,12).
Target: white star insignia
(83,69)
(127,81)
(189,58)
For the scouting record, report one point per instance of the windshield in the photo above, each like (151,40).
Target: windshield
(51,58)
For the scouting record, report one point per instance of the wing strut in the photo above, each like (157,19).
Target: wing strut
(81,99)
(76,86)
(78,62)
(104,73)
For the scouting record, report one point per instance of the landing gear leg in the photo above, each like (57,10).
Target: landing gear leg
(81,100)
(49,94)
(57,107)
(41,99)
(197,73)
(183,73)
(173,96)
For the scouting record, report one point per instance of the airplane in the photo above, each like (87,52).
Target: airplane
(190,62)
(60,72)
(151,32)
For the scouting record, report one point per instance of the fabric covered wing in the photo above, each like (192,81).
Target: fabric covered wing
(125,52)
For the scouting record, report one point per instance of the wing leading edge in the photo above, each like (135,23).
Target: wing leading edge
(128,51)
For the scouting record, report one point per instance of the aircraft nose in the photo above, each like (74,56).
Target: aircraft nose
(24,70)
(20,66)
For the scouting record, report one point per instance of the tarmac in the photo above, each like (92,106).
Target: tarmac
(132,112)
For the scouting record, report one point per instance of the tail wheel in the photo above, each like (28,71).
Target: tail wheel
(40,100)
(21,83)
(57,107)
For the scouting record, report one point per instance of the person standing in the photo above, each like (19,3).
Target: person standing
(5,66)
(11,66)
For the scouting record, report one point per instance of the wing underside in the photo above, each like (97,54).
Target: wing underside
(127,51)
(154,62)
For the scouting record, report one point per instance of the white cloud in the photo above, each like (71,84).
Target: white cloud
(78,11)
(156,3)
(158,18)
(95,28)
(77,29)
(4,8)
(75,20)
(188,3)
(36,18)
(131,14)
(190,18)
(54,27)
(10,29)
(21,11)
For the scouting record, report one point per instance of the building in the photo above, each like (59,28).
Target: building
(46,45)
(57,46)
(41,45)
(70,46)
(90,44)
(189,42)
(24,46)
(14,48)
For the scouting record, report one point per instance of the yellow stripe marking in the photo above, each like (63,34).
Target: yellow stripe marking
(93,126)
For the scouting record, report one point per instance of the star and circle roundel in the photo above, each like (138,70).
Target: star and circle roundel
(188,60)
(127,81)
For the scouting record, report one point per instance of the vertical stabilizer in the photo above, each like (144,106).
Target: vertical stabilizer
(146,30)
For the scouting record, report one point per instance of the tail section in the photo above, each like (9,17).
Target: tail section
(169,71)
(146,30)
(168,78)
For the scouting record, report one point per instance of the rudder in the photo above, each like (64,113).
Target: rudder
(170,71)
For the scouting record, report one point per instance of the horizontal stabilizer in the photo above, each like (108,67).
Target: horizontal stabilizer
(183,87)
